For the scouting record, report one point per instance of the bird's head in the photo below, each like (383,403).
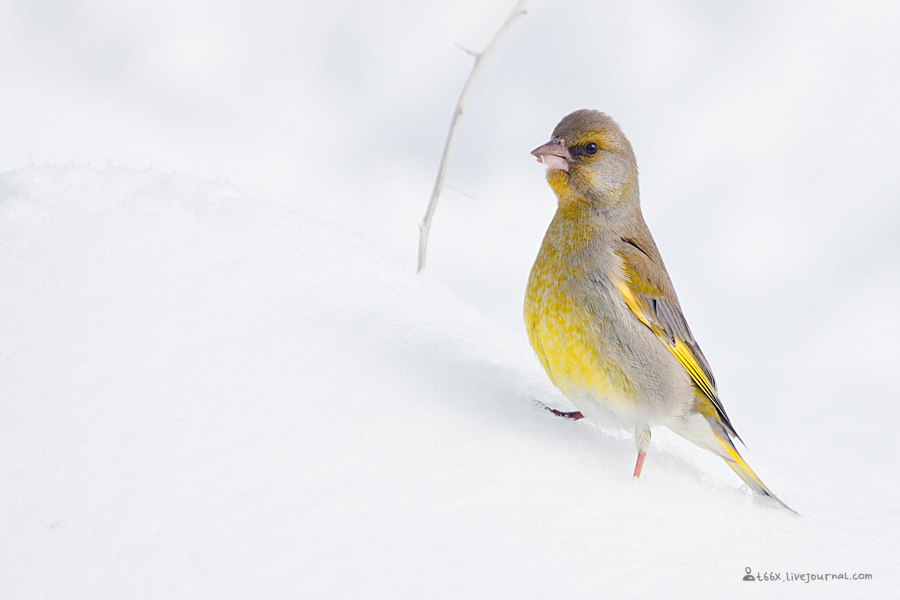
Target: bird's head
(589,159)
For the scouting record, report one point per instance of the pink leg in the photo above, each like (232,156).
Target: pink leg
(639,464)
(642,440)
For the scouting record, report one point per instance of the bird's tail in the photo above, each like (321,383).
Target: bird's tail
(710,434)
(737,463)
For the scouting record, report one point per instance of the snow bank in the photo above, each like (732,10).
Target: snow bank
(207,396)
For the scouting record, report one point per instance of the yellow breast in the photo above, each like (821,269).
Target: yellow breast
(564,334)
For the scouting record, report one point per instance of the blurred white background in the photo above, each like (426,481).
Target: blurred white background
(767,133)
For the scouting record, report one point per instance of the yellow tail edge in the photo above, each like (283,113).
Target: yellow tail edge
(737,463)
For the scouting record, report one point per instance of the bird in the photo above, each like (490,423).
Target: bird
(600,310)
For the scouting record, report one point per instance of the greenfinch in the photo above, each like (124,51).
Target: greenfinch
(600,309)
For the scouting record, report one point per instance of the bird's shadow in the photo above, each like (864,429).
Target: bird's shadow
(510,395)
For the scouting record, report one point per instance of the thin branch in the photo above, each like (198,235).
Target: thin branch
(480,58)
(471,53)
(460,192)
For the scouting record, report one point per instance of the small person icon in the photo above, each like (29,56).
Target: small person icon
(748,576)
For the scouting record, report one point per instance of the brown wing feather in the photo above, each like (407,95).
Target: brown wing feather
(648,291)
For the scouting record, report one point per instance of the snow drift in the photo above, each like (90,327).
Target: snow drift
(204,395)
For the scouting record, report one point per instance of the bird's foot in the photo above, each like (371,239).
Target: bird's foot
(575,415)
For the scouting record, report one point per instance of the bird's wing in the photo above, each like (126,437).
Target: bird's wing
(649,294)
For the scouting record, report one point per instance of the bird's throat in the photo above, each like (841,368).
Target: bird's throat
(584,187)
(559,183)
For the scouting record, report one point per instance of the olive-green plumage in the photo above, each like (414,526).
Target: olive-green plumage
(600,310)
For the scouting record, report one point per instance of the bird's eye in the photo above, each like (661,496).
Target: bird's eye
(591,148)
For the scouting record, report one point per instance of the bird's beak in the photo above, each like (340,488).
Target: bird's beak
(554,154)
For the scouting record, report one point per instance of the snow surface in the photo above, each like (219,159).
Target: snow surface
(205,395)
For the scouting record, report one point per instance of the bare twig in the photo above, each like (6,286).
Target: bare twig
(471,53)
(460,192)
(480,58)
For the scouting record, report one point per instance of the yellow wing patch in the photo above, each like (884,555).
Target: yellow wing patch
(687,359)
(663,317)
(632,302)
(679,348)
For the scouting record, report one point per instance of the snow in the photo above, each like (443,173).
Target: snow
(219,376)
(205,394)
